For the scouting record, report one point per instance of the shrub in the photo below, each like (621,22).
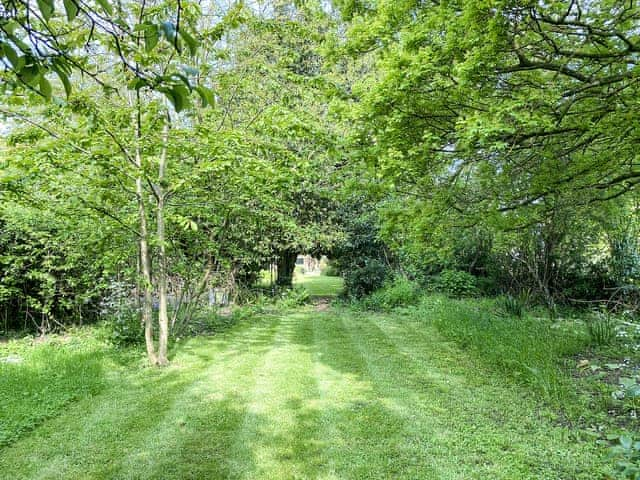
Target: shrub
(396,293)
(330,270)
(123,325)
(125,329)
(362,280)
(487,286)
(456,283)
(293,297)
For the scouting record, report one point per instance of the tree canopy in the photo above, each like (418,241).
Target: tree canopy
(174,146)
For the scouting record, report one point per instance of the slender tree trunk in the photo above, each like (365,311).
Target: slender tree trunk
(145,253)
(145,263)
(163,317)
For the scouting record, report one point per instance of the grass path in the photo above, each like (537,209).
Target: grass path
(307,395)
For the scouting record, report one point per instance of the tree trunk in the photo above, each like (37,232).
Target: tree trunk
(145,263)
(143,241)
(163,317)
(286,266)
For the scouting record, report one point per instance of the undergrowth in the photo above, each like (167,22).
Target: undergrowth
(398,292)
(529,350)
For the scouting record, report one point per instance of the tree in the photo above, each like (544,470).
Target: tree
(500,105)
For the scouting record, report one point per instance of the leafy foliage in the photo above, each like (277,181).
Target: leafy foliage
(398,292)
(511,305)
(456,283)
(627,455)
(365,278)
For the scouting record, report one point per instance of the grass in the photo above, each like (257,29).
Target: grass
(37,382)
(320,285)
(304,395)
(530,350)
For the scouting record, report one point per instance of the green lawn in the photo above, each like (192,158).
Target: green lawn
(305,395)
(320,285)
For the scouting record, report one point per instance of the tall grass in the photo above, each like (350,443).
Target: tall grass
(530,350)
(36,382)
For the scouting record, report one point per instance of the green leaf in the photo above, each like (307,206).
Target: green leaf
(151,37)
(191,42)
(71,8)
(46,8)
(65,81)
(169,93)
(137,83)
(45,87)
(106,6)
(625,441)
(11,55)
(30,75)
(10,27)
(206,95)
(183,78)
(190,70)
(180,97)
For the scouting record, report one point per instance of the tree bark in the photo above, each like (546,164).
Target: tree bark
(163,317)
(286,265)
(143,242)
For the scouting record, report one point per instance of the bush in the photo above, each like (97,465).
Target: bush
(362,280)
(125,329)
(487,286)
(455,283)
(330,271)
(123,326)
(626,452)
(399,292)
(293,297)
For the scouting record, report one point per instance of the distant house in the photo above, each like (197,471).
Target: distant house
(308,263)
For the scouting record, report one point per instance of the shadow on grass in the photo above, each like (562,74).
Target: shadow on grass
(41,385)
(336,399)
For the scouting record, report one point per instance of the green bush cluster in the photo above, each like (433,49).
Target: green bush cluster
(626,452)
(455,283)
(511,305)
(395,293)
(601,328)
(363,280)
(330,270)
(125,329)
(293,297)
